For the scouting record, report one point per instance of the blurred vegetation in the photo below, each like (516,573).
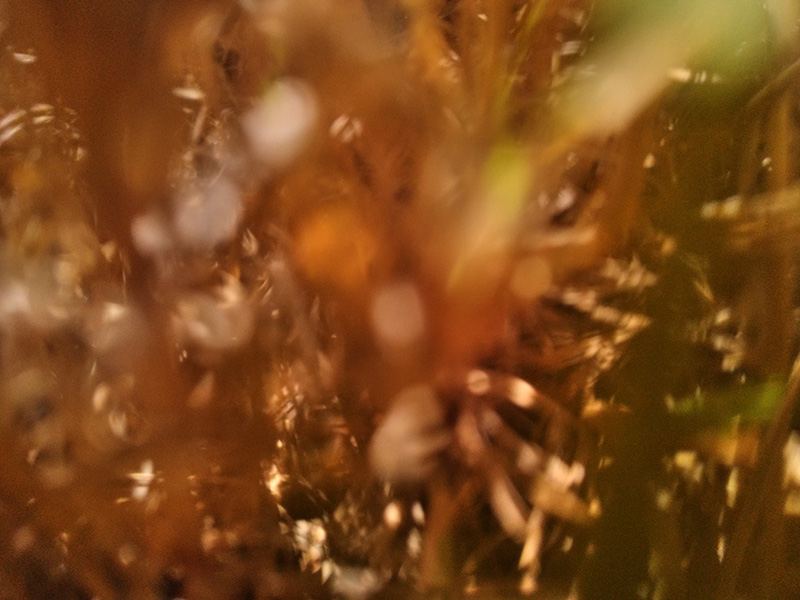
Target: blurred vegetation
(399,299)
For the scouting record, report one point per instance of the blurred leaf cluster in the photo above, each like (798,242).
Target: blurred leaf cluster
(397,299)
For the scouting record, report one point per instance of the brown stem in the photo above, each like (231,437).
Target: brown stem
(768,468)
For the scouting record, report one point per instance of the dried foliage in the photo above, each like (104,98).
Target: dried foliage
(394,299)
